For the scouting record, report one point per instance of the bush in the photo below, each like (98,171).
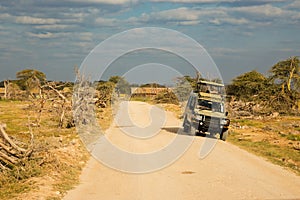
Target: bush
(166,97)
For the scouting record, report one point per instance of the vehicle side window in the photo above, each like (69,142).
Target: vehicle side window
(189,102)
(192,102)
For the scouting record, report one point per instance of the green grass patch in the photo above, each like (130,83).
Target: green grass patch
(249,122)
(293,137)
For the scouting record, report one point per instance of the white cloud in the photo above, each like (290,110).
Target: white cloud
(181,16)
(191,16)
(189,23)
(54,27)
(85,36)
(267,12)
(264,10)
(48,35)
(5,16)
(177,14)
(114,2)
(85,45)
(188,14)
(229,20)
(105,21)
(245,15)
(42,35)
(35,20)
(78,16)
(294,5)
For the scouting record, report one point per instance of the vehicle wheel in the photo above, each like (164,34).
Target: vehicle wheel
(186,126)
(192,131)
(223,135)
(212,134)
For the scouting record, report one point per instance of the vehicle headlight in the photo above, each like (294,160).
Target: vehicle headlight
(225,122)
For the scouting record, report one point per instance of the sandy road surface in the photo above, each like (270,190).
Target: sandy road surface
(226,173)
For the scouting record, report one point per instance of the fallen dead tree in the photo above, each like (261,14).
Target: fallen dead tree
(51,100)
(62,105)
(12,153)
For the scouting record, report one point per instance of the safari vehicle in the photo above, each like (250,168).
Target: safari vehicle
(205,111)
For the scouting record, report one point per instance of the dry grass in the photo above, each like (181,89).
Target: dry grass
(278,139)
(176,109)
(56,163)
(105,117)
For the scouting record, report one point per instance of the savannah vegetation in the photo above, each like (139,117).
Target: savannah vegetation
(279,91)
(265,113)
(41,154)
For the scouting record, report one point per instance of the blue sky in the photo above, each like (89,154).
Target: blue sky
(55,35)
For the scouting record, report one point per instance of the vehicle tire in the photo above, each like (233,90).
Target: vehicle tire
(212,135)
(186,127)
(192,131)
(224,135)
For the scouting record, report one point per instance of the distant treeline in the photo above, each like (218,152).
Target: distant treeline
(279,90)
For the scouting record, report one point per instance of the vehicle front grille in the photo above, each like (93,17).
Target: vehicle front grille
(212,122)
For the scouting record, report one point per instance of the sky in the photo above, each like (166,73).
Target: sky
(53,36)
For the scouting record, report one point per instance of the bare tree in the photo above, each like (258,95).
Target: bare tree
(6,82)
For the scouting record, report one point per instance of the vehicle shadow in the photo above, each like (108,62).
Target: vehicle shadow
(179,130)
(176,130)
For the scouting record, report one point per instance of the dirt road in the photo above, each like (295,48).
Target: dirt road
(226,173)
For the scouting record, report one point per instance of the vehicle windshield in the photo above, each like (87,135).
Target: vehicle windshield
(214,89)
(211,105)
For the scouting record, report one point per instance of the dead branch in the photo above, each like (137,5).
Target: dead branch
(57,92)
(10,152)
(8,158)
(7,149)
(6,138)
(6,83)
(63,105)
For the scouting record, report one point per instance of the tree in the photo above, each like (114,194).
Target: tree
(247,85)
(287,74)
(166,97)
(11,90)
(193,81)
(105,93)
(115,79)
(184,86)
(152,85)
(30,79)
(122,86)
